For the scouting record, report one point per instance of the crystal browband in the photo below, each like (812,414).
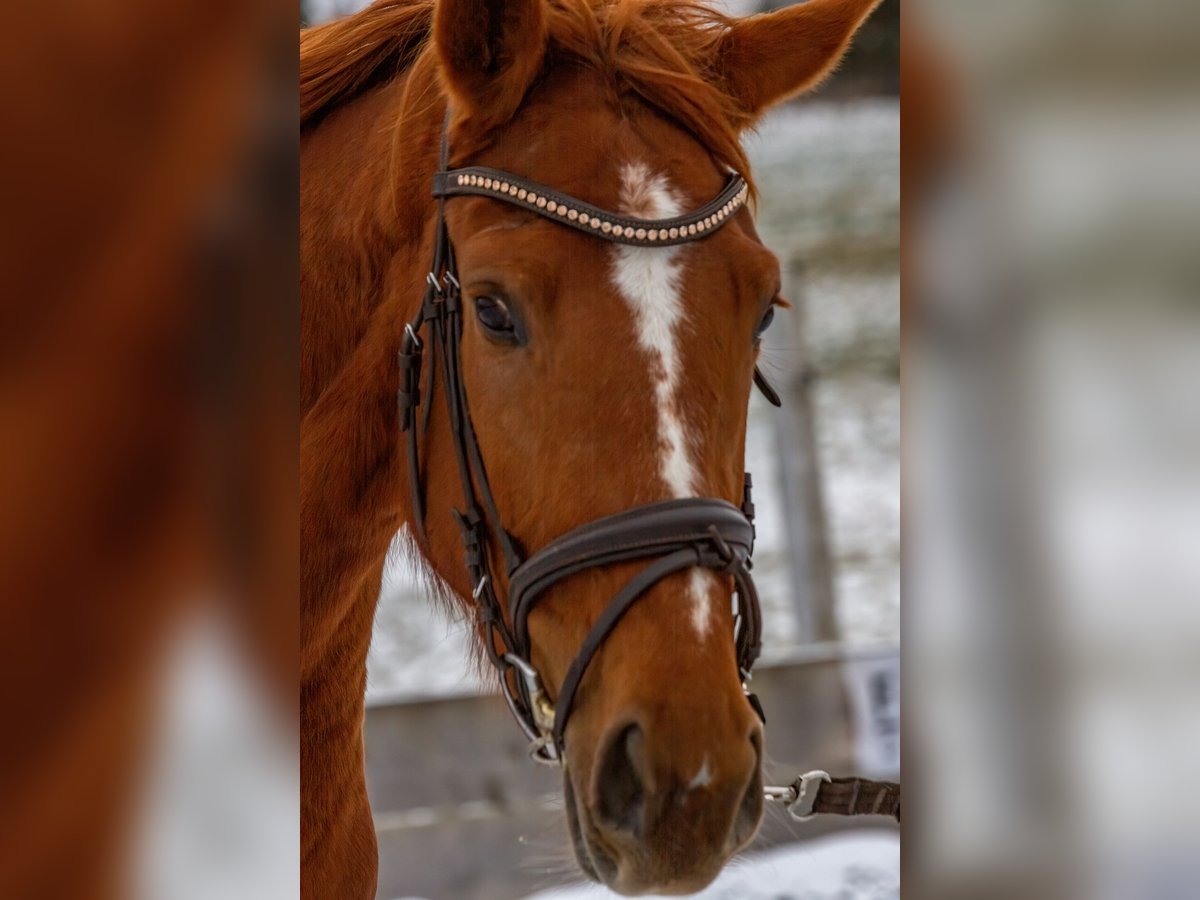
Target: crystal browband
(574,213)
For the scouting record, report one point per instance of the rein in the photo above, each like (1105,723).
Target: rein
(673,535)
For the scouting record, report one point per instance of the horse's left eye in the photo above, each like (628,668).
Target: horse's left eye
(764,323)
(494,316)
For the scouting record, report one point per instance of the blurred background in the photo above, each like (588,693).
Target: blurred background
(447,769)
(1052,448)
(149,435)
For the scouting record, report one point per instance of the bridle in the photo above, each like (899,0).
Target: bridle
(673,535)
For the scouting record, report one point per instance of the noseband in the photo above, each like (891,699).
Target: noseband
(672,535)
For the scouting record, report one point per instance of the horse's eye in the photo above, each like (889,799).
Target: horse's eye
(494,316)
(764,323)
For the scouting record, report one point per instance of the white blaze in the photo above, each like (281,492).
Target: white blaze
(703,778)
(649,279)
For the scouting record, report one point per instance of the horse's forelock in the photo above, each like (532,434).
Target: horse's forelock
(664,53)
(659,51)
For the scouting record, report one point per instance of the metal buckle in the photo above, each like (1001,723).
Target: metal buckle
(541,708)
(412,334)
(475,594)
(434,283)
(805,788)
(450,280)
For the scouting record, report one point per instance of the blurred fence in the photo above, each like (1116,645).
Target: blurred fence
(462,814)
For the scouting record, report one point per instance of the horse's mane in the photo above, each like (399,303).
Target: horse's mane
(662,51)
(340,59)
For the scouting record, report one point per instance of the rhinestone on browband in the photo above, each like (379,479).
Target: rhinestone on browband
(584,217)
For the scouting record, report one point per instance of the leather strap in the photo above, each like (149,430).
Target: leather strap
(629,535)
(677,535)
(643,581)
(858,797)
(574,213)
(760,381)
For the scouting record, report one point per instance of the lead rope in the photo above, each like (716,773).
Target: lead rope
(817,793)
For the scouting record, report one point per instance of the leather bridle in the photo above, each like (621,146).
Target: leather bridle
(673,535)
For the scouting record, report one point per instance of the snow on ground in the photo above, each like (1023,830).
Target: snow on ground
(863,865)
(221,799)
(859,865)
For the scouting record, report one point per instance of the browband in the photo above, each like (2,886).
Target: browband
(574,213)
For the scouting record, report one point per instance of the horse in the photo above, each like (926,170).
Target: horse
(590,377)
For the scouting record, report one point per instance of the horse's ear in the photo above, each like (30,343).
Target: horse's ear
(767,58)
(490,52)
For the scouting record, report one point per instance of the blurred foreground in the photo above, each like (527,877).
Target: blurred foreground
(1052,449)
(148,459)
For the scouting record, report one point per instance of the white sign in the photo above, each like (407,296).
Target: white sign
(873,687)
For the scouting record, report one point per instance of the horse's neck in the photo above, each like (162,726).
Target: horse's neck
(355,300)
(356,296)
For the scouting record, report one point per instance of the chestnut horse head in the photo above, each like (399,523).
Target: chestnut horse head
(599,377)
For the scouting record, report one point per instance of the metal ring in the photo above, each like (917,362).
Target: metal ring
(543,751)
(806,787)
(526,668)
(518,711)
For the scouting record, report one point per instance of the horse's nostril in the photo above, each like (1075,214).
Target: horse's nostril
(620,789)
(750,809)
